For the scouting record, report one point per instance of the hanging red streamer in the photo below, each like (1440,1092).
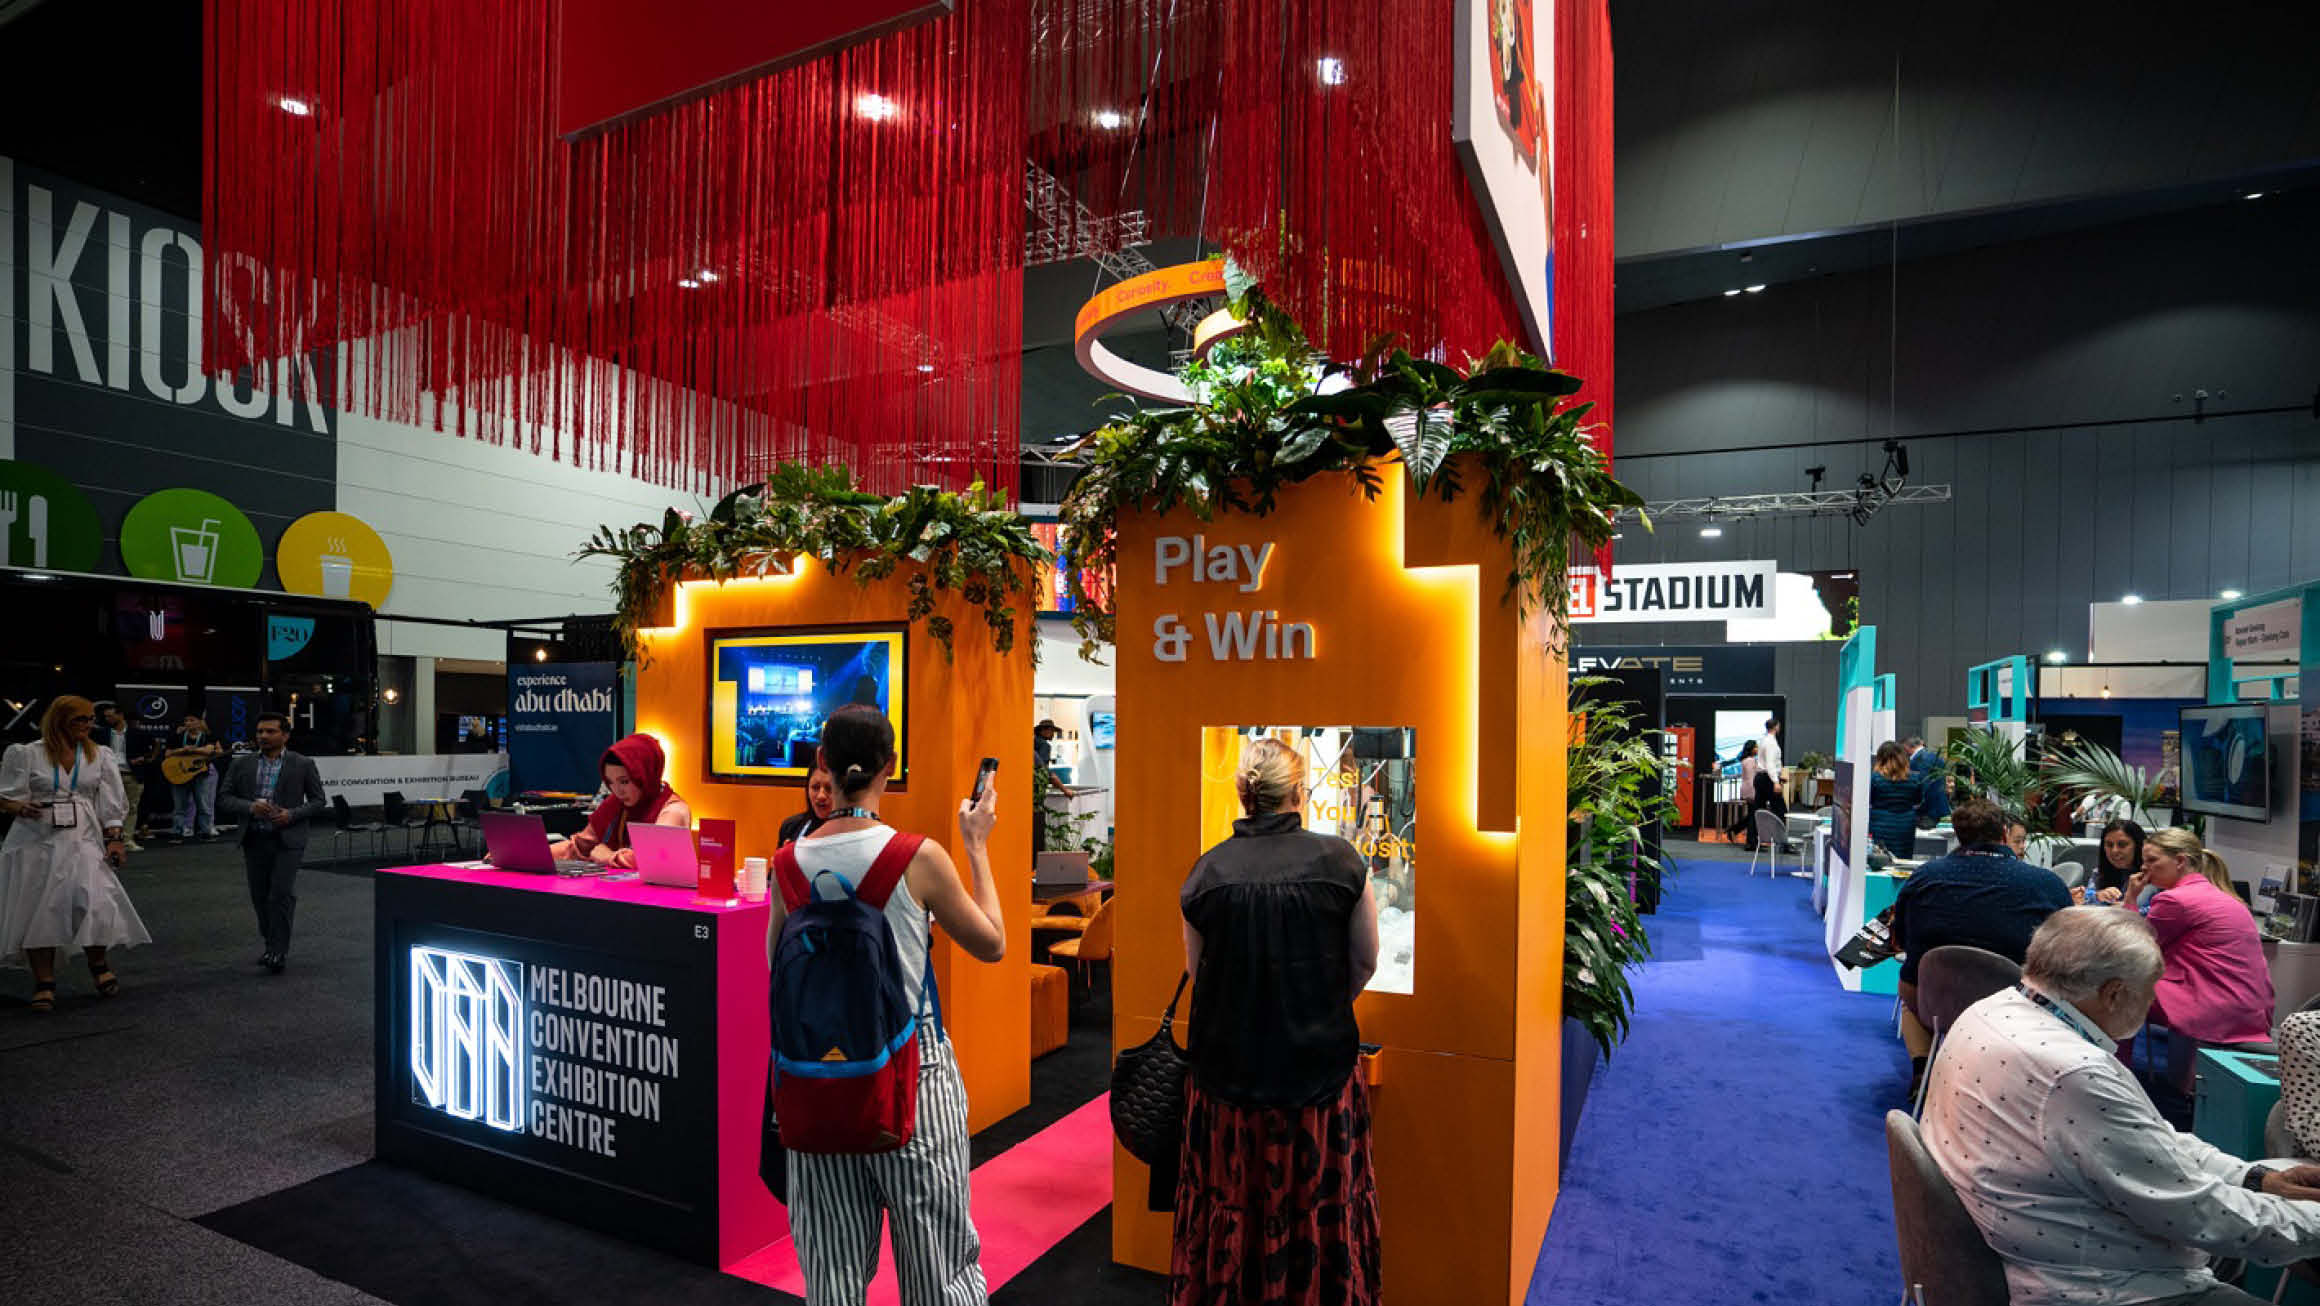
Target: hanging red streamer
(822,264)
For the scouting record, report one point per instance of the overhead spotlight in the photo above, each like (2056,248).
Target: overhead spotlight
(1711,532)
(1756,289)
(689,283)
(2228,595)
(1332,71)
(1816,473)
(1110,119)
(875,107)
(2253,195)
(292,105)
(706,275)
(2057,655)
(2131,599)
(392,694)
(539,655)
(1617,535)
(2106,691)
(1897,454)
(1733,291)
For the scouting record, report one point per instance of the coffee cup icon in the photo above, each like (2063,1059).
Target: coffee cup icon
(337,570)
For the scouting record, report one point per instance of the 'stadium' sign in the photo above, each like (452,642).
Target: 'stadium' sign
(1677,591)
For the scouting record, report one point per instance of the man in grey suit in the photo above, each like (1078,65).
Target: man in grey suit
(274,793)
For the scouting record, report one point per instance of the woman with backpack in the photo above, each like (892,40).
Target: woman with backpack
(875,1123)
(1276,1198)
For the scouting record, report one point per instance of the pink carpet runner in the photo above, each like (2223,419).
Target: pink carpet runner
(1026,1199)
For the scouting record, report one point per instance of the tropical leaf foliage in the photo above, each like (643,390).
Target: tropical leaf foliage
(1612,760)
(970,544)
(1264,422)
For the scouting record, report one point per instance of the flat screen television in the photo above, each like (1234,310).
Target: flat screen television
(769,690)
(2227,761)
(1103,729)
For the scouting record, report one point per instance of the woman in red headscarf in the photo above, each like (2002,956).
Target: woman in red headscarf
(638,796)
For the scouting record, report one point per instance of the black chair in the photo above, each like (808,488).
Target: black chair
(344,827)
(397,812)
(1949,980)
(1945,1261)
(468,815)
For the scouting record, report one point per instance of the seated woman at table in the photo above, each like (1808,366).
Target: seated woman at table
(2217,987)
(1896,801)
(2121,860)
(821,805)
(637,796)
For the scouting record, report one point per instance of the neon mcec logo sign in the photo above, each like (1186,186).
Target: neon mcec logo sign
(467,1019)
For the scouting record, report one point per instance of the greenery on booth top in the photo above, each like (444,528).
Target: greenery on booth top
(969,543)
(1263,424)
(1612,760)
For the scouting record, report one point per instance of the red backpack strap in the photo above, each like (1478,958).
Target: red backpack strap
(886,872)
(795,893)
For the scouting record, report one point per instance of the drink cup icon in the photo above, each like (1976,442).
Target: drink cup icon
(193,550)
(337,571)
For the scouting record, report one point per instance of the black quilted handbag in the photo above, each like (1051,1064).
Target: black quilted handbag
(1148,1091)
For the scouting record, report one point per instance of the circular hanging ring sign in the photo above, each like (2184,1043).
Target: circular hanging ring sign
(1155,289)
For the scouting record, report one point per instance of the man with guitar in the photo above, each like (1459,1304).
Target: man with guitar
(187,766)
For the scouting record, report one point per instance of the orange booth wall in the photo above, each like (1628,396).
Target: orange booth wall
(959,709)
(1413,627)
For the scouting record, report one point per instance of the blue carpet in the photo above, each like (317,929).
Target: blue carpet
(1733,1149)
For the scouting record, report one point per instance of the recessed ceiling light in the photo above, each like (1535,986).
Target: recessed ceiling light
(1110,119)
(2132,599)
(926,367)
(689,283)
(539,655)
(2228,595)
(2057,655)
(297,108)
(706,275)
(875,107)
(2253,195)
(1711,532)
(1332,71)
(1617,535)
(1733,291)
(1756,289)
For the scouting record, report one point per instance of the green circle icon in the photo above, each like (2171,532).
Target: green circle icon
(45,521)
(191,536)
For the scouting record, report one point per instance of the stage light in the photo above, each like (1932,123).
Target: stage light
(2228,595)
(1733,291)
(706,275)
(2253,195)
(292,105)
(1756,289)
(1332,71)
(1711,532)
(1110,119)
(2056,655)
(689,283)
(2132,599)
(876,107)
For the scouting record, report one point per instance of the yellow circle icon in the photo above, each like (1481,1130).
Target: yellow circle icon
(334,556)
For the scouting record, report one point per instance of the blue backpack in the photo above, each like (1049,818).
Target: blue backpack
(845,1032)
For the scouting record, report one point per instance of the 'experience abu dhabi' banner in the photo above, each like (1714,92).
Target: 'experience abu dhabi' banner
(561,718)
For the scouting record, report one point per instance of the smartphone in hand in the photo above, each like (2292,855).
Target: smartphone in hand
(983,776)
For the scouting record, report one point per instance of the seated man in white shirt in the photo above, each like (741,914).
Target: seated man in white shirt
(2075,1180)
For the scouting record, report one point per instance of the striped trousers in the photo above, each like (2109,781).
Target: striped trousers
(837,1204)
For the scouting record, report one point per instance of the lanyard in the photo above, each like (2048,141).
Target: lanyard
(854,813)
(2054,1009)
(56,776)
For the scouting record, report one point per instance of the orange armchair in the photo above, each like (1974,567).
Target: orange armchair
(1094,943)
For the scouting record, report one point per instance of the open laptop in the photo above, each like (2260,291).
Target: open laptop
(519,842)
(666,854)
(1059,871)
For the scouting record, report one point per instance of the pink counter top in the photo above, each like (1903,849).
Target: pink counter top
(631,892)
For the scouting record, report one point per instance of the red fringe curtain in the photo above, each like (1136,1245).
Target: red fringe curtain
(824,263)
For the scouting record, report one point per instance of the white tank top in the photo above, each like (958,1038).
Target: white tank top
(850,855)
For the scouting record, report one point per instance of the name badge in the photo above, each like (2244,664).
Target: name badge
(63,815)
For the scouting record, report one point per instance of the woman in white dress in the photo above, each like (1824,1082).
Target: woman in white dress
(57,886)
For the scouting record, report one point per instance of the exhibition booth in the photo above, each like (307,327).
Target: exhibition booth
(596,1047)
(1377,637)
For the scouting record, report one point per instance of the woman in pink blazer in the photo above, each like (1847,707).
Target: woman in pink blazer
(2216,988)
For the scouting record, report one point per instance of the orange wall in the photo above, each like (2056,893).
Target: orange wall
(959,712)
(1413,630)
